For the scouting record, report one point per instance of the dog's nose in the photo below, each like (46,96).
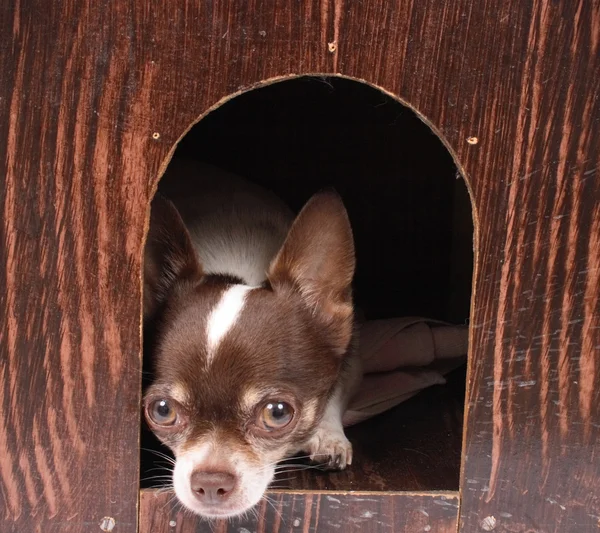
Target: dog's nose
(212,487)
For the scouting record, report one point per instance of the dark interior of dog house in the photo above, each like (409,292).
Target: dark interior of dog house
(412,221)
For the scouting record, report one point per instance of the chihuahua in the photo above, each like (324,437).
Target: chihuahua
(253,318)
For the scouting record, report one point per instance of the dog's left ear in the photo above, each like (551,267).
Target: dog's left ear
(317,259)
(169,255)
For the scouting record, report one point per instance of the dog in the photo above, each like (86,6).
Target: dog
(253,317)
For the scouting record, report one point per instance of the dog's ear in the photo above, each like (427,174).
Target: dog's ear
(317,260)
(169,255)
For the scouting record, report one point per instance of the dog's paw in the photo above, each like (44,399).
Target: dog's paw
(330,449)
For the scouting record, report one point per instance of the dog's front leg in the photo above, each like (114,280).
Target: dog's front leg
(329,447)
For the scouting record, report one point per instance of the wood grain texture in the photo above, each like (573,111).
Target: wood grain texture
(73,206)
(311,512)
(93,97)
(533,435)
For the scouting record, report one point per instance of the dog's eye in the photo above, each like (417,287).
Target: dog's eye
(276,415)
(162,413)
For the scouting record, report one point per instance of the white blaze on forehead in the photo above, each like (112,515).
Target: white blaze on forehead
(224,315)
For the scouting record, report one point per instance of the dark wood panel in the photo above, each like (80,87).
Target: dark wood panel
(73,201)
(93,97)
(313,513)
(533,431)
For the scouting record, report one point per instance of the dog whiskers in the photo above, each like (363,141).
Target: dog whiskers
(270,502)
(160,454)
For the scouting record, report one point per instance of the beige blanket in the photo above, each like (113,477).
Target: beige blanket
(401,357)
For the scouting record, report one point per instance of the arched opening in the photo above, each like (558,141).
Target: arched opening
(413,230)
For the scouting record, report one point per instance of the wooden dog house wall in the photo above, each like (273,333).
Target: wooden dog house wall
(93,99)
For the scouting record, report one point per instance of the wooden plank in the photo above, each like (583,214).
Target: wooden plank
(532,445)
(93,98)
(73,202)
(315,512)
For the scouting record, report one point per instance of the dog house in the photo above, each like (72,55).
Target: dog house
(94,101)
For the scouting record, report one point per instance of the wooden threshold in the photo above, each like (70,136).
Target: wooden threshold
(314,512)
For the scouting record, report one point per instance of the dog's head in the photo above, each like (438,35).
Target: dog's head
(243,374)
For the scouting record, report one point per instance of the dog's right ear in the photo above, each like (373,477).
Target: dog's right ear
(317,260)
(169,255)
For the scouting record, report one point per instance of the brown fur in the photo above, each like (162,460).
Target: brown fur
(276,347)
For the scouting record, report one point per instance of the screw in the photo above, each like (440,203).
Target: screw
(488,523)
(107,523)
